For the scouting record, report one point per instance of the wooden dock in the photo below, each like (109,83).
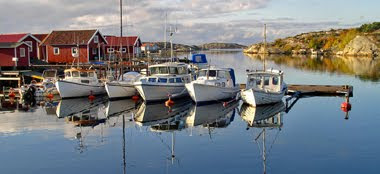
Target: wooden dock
(320,90)
(317,90)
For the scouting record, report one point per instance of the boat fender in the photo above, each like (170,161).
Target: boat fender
(169,103)
(135,98)
(12,93)
(50,96)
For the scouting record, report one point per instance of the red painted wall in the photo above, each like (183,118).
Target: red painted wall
(6,55)
(65,55)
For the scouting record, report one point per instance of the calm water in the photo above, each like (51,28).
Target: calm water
(313,137)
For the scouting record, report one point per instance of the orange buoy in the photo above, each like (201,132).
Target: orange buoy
(135,98)
(91,97)
(12,95)
(225,104)
(345,107)
(169,103)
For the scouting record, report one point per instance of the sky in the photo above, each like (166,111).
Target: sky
(196,21)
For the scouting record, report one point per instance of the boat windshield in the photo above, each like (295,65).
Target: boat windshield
(83,74)
(49,74)
(75,73)
(212,73)
(159,70)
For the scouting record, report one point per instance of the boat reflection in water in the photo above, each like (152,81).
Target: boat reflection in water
(267,119)
(68,107)
(116,108)
(152,114)
(212,115)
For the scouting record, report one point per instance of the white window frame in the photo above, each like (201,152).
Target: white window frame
(123,50)
(96,39)
(110,50)
(30,43)
(94,51)
(72,50)
(22,52)
(56,50)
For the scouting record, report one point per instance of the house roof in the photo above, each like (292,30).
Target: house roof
(40,37)
(125,41)
(69,37)
(8,38)
(11,44)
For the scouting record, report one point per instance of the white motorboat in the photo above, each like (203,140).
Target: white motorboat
(264,87)
(124,87)
(79,83)
(164,81)
(212,85)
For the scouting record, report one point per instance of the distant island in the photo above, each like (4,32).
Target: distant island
(362,41)
(207,46)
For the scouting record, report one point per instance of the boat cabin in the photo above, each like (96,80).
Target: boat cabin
(271,80)
(49,75)
(168,73)
(169,69)
(224,77)
(81,76)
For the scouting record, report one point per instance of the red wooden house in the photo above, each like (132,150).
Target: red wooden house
(28,38)
(125,45)
(62,46)
(14,54)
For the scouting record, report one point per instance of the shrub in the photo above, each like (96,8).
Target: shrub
(370,27)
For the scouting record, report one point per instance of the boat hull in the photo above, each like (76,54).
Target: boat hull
(116,90)
(201,93)
(153,92)
(256,97)
(72,90)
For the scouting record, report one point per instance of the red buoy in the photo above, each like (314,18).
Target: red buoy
(225,104)
(345,107)
(91,97)
(135,98)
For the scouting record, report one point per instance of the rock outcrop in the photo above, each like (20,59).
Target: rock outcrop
(361,46)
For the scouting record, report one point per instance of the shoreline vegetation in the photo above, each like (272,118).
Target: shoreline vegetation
(363,41)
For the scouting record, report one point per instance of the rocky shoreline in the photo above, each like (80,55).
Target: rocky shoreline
(344,42)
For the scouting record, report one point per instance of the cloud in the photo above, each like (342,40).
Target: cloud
(198,21)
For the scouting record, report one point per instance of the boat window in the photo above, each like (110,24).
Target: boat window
(203,73)
(258,82)
(75,73)
(85,81)
(171,80)
(266,81)
(163,70)
(222,74)
(212,73)
(162,80)
(173,70)
(275,81)
(152,80)
(154,70)
(67,74)
(83,74)
(143,80)
(91,74)
(182,70)
(178,80)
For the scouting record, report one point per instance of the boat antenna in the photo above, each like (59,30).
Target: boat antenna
(165,30)
(265,43)
(121,37)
